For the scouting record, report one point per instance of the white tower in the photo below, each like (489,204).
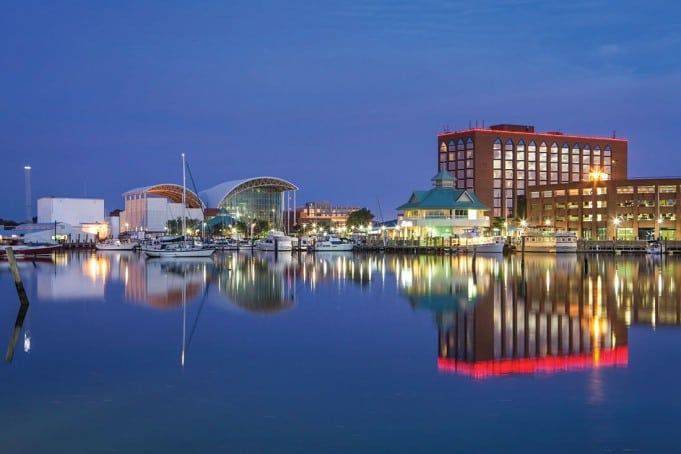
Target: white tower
(27,181)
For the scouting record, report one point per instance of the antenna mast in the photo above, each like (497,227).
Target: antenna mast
(184,201)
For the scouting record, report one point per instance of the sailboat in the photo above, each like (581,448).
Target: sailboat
(183,248)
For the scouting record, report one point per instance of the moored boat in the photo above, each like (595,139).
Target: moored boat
(275,241)
(546,241)
(116,245)
(332,243)
(183,247)
(179,250)
(475,242)
(29,250)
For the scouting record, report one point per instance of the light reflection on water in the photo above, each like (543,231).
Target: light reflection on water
(488,316)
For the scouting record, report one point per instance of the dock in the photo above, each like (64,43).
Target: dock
(435,246)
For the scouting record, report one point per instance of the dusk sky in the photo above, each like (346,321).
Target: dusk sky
(343,99)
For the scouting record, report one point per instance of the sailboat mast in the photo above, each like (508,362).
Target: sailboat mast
(184,200)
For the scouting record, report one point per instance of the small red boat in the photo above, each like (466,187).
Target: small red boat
(29,250)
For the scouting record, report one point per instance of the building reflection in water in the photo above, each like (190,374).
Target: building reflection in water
(495,316)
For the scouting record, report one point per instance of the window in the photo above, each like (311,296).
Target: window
(645,189)
(667,189)
(496,149)
(565,154)
(443,146)
(451,147)
(573,191)
(548,193)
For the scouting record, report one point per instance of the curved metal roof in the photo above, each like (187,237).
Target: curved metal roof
(214,196)
(169,191)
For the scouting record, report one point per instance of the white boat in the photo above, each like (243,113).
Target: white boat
(654,248)
(546,241)
(116,245)
(275,241)
(332,243)
(474,242)
(183,248)
(490,245)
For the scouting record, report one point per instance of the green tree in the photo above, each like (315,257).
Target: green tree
(359,218)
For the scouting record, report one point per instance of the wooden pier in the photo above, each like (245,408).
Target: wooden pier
(435,246)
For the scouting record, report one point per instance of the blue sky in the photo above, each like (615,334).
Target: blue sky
(343,99)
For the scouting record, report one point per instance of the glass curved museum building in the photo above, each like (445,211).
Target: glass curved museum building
(253,199)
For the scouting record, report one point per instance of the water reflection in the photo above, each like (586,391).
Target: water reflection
(500,317)
(492,315)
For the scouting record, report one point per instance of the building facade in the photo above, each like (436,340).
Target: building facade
(626,209)
(441,212)
(149,209)
(253,199)
(323,213)
(74,211)
(499,163)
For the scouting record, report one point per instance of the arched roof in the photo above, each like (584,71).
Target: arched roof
(169,191)
(214,196)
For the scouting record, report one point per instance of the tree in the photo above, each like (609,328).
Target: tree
(359,218)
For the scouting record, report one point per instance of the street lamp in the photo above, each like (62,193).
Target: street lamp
(617,221)
(596,175)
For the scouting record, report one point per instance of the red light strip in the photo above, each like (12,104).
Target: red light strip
(549,365)
(542,134)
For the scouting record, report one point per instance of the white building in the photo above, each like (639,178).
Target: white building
(148,209)
(70,211)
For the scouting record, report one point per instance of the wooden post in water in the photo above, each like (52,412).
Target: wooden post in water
(23,299)
(23,307)
(18,324)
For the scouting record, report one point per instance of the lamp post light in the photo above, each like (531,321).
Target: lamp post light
(616,222)
(596,175)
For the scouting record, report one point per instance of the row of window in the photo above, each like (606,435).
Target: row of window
(622,218)
(602,191)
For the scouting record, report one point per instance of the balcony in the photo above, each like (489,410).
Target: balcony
(443,221)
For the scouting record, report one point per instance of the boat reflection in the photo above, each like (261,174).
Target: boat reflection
(494,315)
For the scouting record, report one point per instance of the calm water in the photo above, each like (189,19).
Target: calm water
(339,353)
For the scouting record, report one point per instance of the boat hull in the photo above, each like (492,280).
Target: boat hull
(179,252)
(116,246)
(333,247)
(25,250)
(488,248)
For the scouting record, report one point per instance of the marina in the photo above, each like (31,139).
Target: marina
(105,329)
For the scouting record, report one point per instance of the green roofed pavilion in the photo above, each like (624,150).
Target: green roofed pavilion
(442,211)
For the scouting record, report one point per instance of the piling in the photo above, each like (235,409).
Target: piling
(23,299)
(18,324)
